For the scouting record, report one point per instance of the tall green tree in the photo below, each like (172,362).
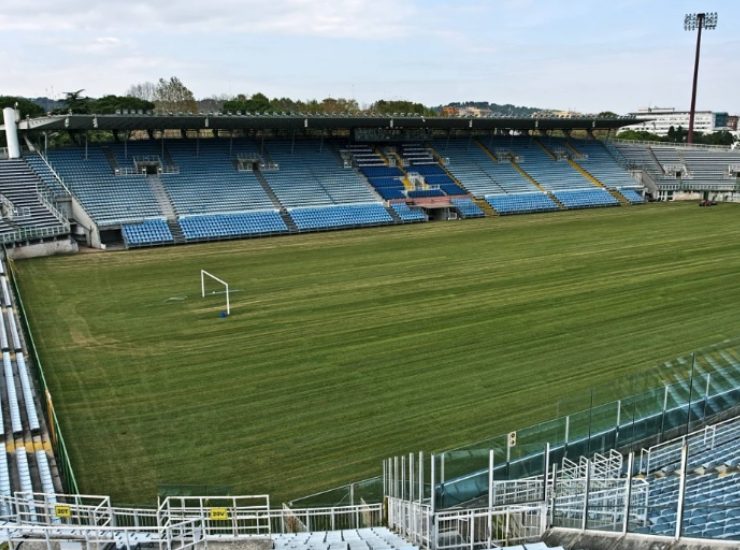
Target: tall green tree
(75,102)
(109,104)
(395,106)
(257,103)
(25,106)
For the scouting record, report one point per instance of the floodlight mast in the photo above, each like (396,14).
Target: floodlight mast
(691,22)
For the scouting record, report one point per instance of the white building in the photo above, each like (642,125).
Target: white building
(664,118)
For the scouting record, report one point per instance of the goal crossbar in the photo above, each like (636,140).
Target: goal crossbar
(203,275)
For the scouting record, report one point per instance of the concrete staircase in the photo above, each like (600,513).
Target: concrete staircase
(292,227)
(393,214)
(163,199)
(526,176)
(111,158)
(268,190)
(167,209)
(483,205)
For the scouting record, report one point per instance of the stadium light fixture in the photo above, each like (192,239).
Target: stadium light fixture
(697,22)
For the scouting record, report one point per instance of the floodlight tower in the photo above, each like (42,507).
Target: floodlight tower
(692,22)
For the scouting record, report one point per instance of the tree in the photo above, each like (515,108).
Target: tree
(212,104)
(24,106)
(389,107)
(258,103)
(638,135)
(173,96)
(109,104)
(607,114)
(143,90)
(716,138)
(75,103)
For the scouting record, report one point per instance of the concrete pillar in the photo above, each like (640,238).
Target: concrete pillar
(11,133)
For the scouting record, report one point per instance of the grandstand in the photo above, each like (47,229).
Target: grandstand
(121,192)
(659,463)
(262,176)
(674,172)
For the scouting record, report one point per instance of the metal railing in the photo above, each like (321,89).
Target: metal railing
(669,144)
(33,233)
(64,464)
(463,476)
(466,529)
(217,517)
(60,180)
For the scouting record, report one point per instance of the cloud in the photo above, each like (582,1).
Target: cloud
(359,19)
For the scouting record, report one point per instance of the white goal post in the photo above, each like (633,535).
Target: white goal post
(203,275)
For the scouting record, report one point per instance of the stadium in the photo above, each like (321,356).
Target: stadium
(366,331)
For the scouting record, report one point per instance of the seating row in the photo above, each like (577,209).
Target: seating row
(632,196)
(467,208)
(147,233)
(347,215)
(521,203)
(408,214)
(585,198)
(219,226)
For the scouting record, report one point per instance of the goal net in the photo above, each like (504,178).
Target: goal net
(210,285)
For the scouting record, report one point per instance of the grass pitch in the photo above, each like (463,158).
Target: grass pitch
(347,347)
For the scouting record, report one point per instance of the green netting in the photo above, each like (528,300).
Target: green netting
(673,396)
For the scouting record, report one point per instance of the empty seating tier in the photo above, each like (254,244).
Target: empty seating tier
(147,233)
(521,203)
(425,193)
(371,538)
(632,196)
(476,169)
(38,165)
(467,208)
(347,215)
(408,214)
(585,198)
(224,226)
(386,180)
(29,214)
(311,173)
(598,162)
(108,199)
(550,173)
(208,180)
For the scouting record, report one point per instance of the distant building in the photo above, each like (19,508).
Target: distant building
(663,118)
(732,122)
(471,110)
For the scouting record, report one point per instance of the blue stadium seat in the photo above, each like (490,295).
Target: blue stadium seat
(233,224)
(468,208)
(408,214)
(632,196)
(585,198)
(147,233)
(521,203)
(345,215)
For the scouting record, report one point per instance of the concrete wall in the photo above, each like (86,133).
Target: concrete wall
(49,248)
(86,226)
(719,196)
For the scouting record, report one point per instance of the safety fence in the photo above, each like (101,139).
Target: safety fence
(470,528)
(184,520)
(63,462)
(695,389)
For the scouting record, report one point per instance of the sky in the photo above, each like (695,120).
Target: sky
(584,55)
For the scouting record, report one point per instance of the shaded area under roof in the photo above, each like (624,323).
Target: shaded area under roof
(320,122)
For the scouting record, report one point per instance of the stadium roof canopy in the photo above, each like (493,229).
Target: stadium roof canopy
(326,122)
